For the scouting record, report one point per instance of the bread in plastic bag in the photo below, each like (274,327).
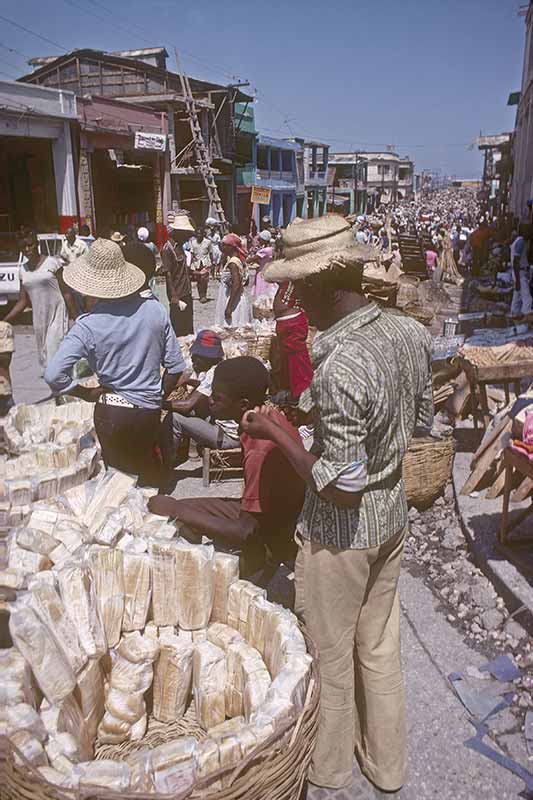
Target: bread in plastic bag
(163,564)
(107,570)
(137,591)
(173,765)
(49,607)
(209,683)
(78,594)
(226,572)
(172,679)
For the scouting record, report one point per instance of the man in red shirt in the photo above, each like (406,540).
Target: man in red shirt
(261,524)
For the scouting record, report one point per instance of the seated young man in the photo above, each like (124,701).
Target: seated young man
(261,524)
(191,417)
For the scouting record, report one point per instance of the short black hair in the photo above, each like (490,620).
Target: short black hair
(344,278)
(244,377)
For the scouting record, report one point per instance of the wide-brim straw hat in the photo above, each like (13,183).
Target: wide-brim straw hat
(117,237)
(181,222)
(311,246)
(103,272)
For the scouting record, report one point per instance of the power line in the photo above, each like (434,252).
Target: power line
(12,50)
(32,33)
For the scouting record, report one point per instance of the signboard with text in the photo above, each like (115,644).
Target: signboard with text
(261,195)
(150,141)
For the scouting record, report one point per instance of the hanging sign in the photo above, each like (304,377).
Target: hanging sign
(150,141)
(261,195)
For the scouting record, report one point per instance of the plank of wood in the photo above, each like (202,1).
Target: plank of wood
(523,491)
(497,487)
(500,425)
(485,461)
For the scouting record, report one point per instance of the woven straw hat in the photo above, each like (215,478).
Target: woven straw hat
(180,222)
(311,246)
(103,272)
(117,237)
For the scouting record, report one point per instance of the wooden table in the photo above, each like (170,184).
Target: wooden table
(478,377)
(514,461)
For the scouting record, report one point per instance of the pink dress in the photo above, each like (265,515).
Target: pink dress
(261,288)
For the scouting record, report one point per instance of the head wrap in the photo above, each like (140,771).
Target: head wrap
(232,240)
(266,236)
(143,234)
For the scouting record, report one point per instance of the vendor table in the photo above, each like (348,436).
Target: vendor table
(478,377)
(514,460)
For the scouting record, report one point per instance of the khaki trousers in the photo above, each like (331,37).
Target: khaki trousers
(349,602)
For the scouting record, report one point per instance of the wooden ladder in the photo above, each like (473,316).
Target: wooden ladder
(200,147)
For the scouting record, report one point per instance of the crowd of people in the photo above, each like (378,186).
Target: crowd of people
(322,465)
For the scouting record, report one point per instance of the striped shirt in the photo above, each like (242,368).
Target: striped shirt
(371,388)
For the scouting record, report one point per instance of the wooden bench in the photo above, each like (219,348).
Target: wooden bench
(514,462)
(221,464)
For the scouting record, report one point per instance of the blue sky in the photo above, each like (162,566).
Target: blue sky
(426,77)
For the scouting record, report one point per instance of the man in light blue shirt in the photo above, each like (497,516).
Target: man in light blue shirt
(126,338)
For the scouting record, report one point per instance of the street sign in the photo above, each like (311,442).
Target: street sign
(150,141)
(261,195)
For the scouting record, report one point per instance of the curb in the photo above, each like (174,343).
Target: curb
(480,522)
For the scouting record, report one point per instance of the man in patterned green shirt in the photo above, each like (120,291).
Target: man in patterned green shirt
(371,390)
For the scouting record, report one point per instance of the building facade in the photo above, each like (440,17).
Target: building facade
(522,180)
(497,171)
(347,192)
(316,163)
(140,78)
(37,178)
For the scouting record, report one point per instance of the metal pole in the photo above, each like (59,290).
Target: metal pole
(356,176)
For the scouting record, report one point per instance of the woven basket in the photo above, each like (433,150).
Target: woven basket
(259,346)
(275,770)
(263,313)
(418,312)
(427,468)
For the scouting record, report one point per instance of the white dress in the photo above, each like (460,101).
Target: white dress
(242,314)
(50,315)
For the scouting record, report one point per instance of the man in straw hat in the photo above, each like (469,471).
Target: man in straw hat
(371,388)
(175,269)
(126,338)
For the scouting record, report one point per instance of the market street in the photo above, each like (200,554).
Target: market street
(440,766)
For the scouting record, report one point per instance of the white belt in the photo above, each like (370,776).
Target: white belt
(115,400)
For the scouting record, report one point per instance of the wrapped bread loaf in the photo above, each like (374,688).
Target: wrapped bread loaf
(50,667)
(16,672)
(70,534)
(111,529)
(112,730)
(25,560)
(195,576)
(226,572)
(127,676)
(138,729)
(222,635)
(36,541)
(66,717)
(20,491)
(127,706)
(239,654)
(105,774)
(287,640)
(63,744)
(78,595)
(209,683)
(137,591)
(89,694)
(234,740)
(140,764)
(272,719)
(164,582)
(57,778)
(173,766)
(13,579)
(240,594)
(172,679)
(292,681)
(48,485)
(207,763)
(257,682)
(21,717)
(30,748)
(258,613)
(107,569)
(49,607)
(109,493)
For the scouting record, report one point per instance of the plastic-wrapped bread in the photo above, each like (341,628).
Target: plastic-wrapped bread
(30,747)
(140,764)
(126,676)
(273,718)
(126,706)
(292,681)
(137,591)
(112,730)
(66,717)
(138,729)
(258,612)
(43,519)
(21,717)
(195,577)
(12,578)
(77,499)
(107,569)
(240,594)
(138,649)
(164,583)
(207,763)
(228,739)
(132,544)
(287,640)
(111,529)
(63,744)
(20,491)
(278,617)
(36,541)
(226,572)
(70,534)
(222,635)
(57,778)
(16,672)
(209,682)
(106,774)
(109,493)
(257,682)
(48,485)
(152,630)
(89,694)
(173,765)
(49,607)
(50,667)
(165,632)
(25,560)
(172,679)
(78,595)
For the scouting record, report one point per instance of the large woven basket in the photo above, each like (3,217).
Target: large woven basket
(275,770)
(427,468)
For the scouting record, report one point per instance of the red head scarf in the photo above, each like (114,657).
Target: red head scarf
(232,240)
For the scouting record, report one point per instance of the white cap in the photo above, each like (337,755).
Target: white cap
(143,234)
